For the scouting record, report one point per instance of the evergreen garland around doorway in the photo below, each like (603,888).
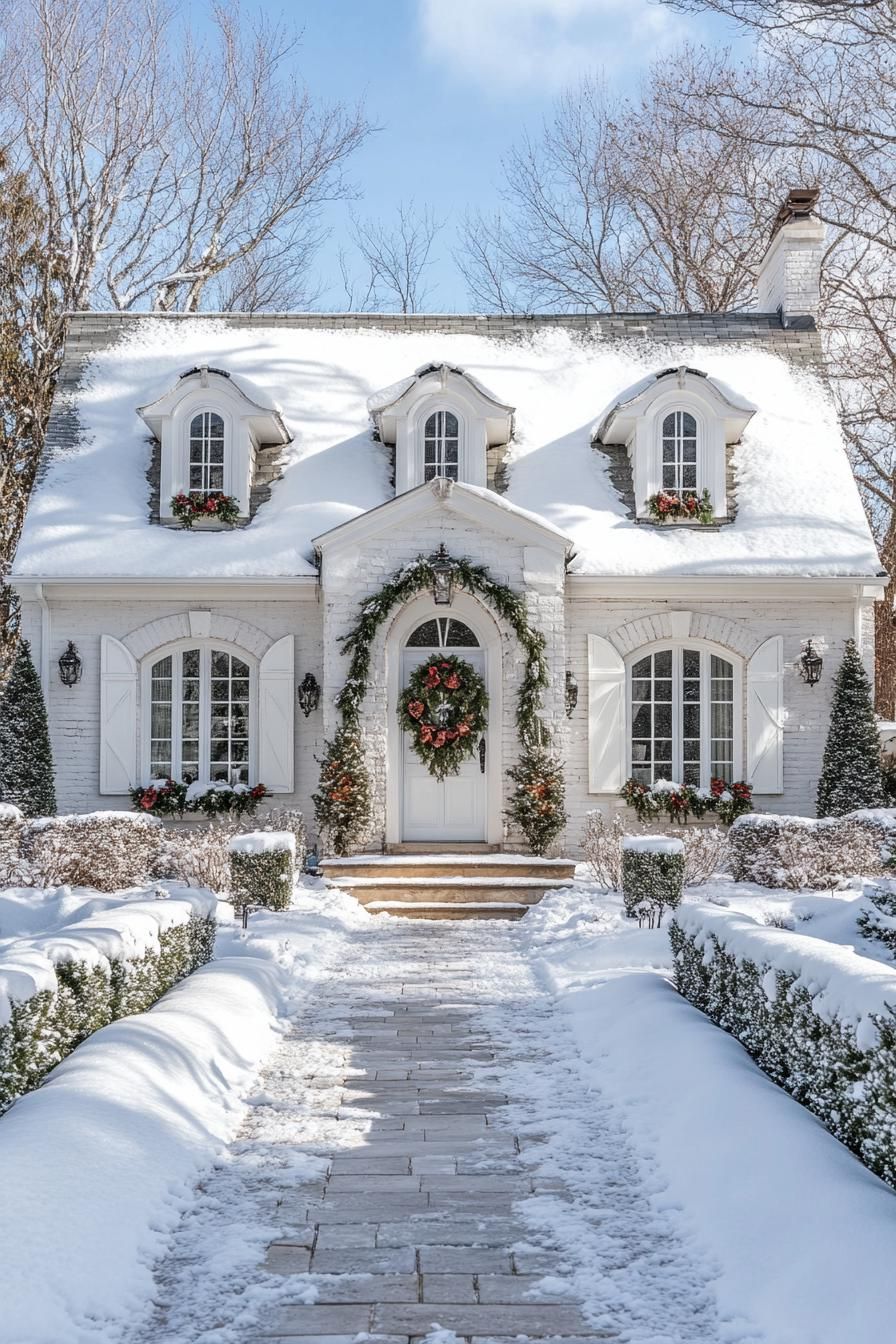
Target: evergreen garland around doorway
(405,584)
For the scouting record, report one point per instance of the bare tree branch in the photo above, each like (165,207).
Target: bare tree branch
(395,258)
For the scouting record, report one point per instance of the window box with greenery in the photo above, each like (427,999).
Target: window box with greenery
(685,506)
(213,507)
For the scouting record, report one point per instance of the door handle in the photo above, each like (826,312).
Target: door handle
(482,755)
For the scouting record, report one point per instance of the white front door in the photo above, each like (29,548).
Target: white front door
(453,808)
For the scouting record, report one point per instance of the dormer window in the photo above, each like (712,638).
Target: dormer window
(677,426)
(441,446)
(441,422)
(679,452)
(206,453)
(211,426)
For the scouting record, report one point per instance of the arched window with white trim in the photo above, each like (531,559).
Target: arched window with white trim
(685,716)
(441,446)
(679,459)
(200,716)
(206,460)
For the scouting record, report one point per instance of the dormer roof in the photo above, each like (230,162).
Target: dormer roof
(449,380)
(238,393)
(617,424)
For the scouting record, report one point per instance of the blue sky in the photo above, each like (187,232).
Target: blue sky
(453,83)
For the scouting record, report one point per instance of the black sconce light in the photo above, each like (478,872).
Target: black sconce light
(442,577)
(572,694)
(70,666)
(308,694)
(811,664)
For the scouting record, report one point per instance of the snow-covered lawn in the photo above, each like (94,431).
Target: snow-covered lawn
(708,1207)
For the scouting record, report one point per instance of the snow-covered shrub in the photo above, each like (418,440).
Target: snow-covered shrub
(11,823)
(799,852)
(286,819)
(198,856)
(879,923)
(602,844)
(705,851)
(652,876)
(106,850)
(263,869)
(818,1019)
(57,989)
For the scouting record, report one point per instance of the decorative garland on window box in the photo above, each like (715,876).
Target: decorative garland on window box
(680,801)
(168,798)
(189,508)
(672,506)
(343,809)
(444,707)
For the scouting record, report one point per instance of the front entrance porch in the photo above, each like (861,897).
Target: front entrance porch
(449,886)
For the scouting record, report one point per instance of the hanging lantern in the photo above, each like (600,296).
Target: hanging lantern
(811,664)
(571,695)
(442,567)
(70,666)
(308,694)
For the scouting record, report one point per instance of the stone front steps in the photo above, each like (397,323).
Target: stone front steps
(449,886)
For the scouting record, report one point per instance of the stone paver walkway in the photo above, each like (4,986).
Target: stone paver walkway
(423,1151)
(417,1220)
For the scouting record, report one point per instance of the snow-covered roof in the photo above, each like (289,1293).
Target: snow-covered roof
(798,509)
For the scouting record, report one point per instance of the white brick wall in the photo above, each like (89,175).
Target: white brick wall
(74,713)
(318,624)
(741,626)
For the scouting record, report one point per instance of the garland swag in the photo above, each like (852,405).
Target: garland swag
(475,579)
(343,803)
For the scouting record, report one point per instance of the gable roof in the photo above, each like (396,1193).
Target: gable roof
(799,511)
(471,502)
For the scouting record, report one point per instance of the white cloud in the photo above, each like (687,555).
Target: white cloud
(543,44)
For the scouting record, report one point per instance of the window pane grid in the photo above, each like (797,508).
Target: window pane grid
(441,446)
(682,717)
(200,712)
(679,452)
(206,453)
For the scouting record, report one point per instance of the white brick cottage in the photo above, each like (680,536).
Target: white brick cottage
(531,445)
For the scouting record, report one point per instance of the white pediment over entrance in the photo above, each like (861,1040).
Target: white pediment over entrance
(474,505)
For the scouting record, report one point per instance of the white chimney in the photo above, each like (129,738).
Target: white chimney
(789,280)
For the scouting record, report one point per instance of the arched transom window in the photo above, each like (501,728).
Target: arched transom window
(679,451)
(443,632)
(441,446)
(206,453)
(684,717)
(200,716)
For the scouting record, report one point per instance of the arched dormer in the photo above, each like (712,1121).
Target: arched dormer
(210,426)
(441,422)
(676,426)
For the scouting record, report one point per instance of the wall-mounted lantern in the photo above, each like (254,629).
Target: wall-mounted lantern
(571,695)
(442,567)
(70,666)
(811,664)
(308,694)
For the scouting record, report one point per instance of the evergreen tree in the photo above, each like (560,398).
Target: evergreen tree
(342,803)
(26,761)
(851,772)
(537,803)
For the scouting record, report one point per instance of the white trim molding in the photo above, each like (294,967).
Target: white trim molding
(677,626)
(186,624)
